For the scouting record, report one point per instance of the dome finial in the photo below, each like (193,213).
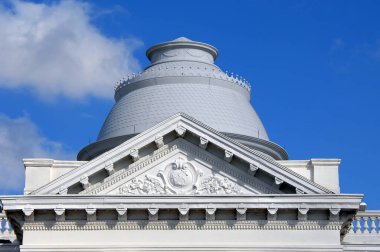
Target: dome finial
(182,39)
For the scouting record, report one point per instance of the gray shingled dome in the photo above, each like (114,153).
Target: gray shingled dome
(182,77)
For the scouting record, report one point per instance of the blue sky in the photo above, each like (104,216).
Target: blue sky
(314,66)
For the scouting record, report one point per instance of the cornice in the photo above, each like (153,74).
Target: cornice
(270,148)
(282,201)
(255,152)
(181,225)
(38,162)
(325,162)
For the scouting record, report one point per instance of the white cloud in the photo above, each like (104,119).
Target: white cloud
(55,50)
(19,138)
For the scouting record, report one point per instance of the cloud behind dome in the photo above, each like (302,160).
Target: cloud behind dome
(20,138)
(55,50)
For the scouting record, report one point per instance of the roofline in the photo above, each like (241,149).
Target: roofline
(171,123)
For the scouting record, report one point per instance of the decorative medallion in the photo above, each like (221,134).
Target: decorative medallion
(180,176)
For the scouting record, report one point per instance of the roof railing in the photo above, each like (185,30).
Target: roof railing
(188,71)
(6,230)
(366,222)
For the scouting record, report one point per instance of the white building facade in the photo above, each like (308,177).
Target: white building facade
(183,163)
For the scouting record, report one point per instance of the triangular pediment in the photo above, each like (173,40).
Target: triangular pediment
(181,168)
(199,145)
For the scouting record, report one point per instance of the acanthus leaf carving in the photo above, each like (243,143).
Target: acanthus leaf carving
(148,185)
(215,185)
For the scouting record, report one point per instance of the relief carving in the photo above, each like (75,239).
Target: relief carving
(180,177)
(215,185)
(148,185)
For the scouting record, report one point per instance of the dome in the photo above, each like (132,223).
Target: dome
(182,77)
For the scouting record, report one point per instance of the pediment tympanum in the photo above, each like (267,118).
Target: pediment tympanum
(260,174)
(180,168)
(179,177)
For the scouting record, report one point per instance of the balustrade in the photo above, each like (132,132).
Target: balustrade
(6,231)
(206,72)
(366,223)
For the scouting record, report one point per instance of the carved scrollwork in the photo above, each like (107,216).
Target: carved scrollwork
(215,185)
(148,185)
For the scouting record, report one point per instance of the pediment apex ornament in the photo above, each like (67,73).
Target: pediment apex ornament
(180,130)
(28,210)
(121,209)
(59,210)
